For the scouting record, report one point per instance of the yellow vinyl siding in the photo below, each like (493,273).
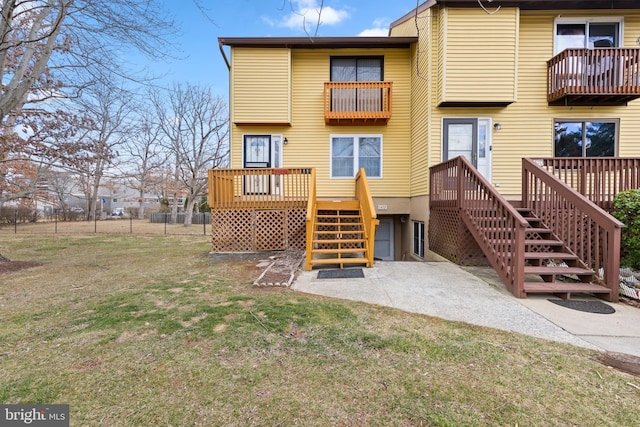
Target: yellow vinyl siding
(405,29)
(479,55)
(421,94)
(311,69)
(527,125)
(260,85)
(309,137)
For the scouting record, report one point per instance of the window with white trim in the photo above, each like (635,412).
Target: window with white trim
(349,153)
(587,33)
(418,238)
(593,138)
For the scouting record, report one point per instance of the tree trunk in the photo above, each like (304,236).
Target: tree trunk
(141,204)
(188,215)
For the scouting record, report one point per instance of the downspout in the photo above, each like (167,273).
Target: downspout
(224,55)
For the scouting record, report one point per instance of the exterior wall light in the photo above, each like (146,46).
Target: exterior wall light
(497,126)
(286,141)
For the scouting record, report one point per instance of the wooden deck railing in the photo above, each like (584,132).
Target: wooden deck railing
(597,178)
(599,71)
(368,211)
(589,232)
(357,102)
(495,224)
(311,218)
(285,188)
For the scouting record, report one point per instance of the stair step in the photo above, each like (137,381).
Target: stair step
(334,232)
(540,230)
(335,251)
(335,241)
(549,255)
(543,242)
(545,271)
(341,224)
(339,216)
(317,261)
(334,205)
(532,220)
(562,287)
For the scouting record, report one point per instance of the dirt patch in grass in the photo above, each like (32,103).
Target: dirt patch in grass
(8,266)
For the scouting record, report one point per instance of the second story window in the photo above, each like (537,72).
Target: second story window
(357,96)
(356,69)
(585,33)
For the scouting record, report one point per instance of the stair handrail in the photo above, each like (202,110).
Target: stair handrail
(368,212)
(588,230)
(310,219)
(495,224)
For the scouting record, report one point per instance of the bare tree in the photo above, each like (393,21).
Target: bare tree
(195,124)
(54,48)
(147,156)
(109,110)
(60,185)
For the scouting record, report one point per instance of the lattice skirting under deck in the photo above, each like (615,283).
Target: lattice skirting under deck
(450,238)
(247,230)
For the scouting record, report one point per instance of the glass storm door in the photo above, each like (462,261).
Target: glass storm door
(257,154)
(469,138)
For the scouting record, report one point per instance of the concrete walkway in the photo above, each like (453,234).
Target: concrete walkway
(477,296)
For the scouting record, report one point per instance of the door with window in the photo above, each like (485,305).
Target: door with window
(262,151)
(468,137)
(356,69)
(587,34)
(591,33)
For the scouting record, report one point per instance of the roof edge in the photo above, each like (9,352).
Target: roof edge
(317,42)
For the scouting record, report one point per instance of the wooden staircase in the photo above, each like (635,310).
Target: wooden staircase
(548,257)
(339,234)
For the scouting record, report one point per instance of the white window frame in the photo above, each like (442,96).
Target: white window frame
(356,156)
(587,20)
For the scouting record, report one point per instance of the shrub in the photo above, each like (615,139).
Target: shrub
(626,208)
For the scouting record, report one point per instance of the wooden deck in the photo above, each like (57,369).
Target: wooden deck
(554,224)
(357,103)
(599,76)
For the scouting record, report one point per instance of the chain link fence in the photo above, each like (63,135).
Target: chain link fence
(156,224)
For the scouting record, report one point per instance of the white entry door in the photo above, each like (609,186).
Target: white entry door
(471,138)
(383,248)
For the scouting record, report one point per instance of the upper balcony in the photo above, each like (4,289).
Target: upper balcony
(357,103)
(600,76)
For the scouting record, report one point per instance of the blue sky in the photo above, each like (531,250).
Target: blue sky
(203,63)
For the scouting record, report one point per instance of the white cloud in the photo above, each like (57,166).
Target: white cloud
(306,13)
(380,28)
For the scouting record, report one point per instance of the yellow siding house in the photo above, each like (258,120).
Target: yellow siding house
(365,119)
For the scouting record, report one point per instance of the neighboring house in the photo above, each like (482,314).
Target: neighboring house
(531,79)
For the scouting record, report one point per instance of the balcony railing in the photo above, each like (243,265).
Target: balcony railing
(599,179)
(282,188)
(357,102)
(600,76)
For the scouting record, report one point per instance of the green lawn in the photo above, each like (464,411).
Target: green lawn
(141,331)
